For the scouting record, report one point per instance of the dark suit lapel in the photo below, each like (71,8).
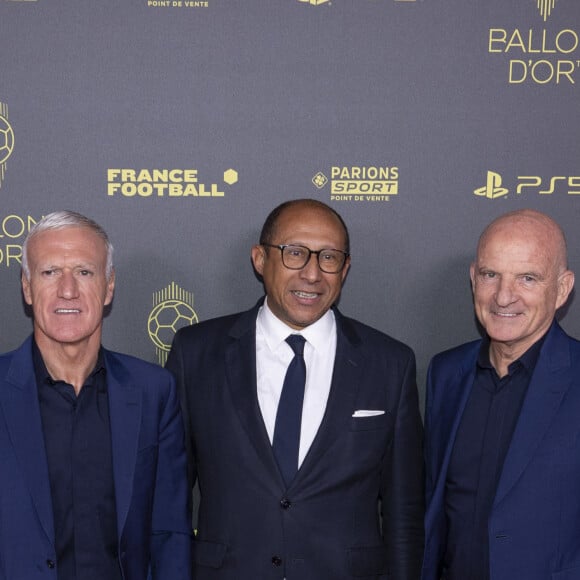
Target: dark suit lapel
(346,378)
(549,383)
(19,405)
(454,406)
(240,359)
(125,415)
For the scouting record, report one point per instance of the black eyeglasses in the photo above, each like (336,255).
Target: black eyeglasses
(330,260)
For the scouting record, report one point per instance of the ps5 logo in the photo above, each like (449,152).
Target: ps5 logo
(493,188)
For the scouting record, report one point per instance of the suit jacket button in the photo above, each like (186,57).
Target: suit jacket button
(277,561)
(50,564)
(285,503)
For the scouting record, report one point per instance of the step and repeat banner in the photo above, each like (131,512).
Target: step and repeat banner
(179,124)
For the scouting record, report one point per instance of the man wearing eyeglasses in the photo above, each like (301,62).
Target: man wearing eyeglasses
(304,429)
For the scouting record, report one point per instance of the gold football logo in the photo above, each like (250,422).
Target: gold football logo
(6,140)
(172,309)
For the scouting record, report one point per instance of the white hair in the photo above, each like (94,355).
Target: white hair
(66,219)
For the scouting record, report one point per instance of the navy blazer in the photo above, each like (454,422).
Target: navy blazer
(534,526)
(327,525)
(151,491)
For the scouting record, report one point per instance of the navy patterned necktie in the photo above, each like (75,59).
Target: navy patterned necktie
(289,415)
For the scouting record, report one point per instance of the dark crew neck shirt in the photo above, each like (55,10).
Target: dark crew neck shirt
(482,442)
(77,439)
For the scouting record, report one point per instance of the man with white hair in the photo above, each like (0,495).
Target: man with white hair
(93,483)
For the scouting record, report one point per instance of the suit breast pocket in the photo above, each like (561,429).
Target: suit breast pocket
(367,440)
(372,423)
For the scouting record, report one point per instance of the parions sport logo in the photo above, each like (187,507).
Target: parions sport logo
(177,3)
(359,182)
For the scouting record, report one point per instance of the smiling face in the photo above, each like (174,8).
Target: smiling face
(300,297)
(519,280)
(68,288)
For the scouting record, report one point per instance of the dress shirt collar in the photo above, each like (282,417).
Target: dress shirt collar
(527,360)
(275,331)
(43,376)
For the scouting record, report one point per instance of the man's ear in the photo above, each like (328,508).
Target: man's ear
(110,288)
(472,275)
(26,289)
(565,285)
(258,254)
(345,269)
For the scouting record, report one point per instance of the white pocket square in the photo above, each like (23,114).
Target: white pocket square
(367,413)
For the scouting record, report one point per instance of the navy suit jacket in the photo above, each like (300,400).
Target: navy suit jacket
(149,466)
(534,526)
(326,526)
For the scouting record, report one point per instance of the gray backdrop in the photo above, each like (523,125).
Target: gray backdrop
(418,120)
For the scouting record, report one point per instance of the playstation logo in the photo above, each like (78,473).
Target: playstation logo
(492,188)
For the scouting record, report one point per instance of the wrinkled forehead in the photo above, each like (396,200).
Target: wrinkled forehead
(67,240)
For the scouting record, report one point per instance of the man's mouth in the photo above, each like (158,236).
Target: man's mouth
(67,311)
(305,295)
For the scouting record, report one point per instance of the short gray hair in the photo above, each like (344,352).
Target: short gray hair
(59,220)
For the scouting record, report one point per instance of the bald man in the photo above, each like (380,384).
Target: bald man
(503,419)
(303,425)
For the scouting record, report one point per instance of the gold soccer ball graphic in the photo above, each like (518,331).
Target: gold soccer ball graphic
(6,140)
(166,319)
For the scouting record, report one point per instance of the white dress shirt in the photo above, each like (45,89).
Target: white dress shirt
(273,355)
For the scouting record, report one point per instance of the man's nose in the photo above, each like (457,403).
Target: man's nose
(311,270)
(505,294)
(68,286)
